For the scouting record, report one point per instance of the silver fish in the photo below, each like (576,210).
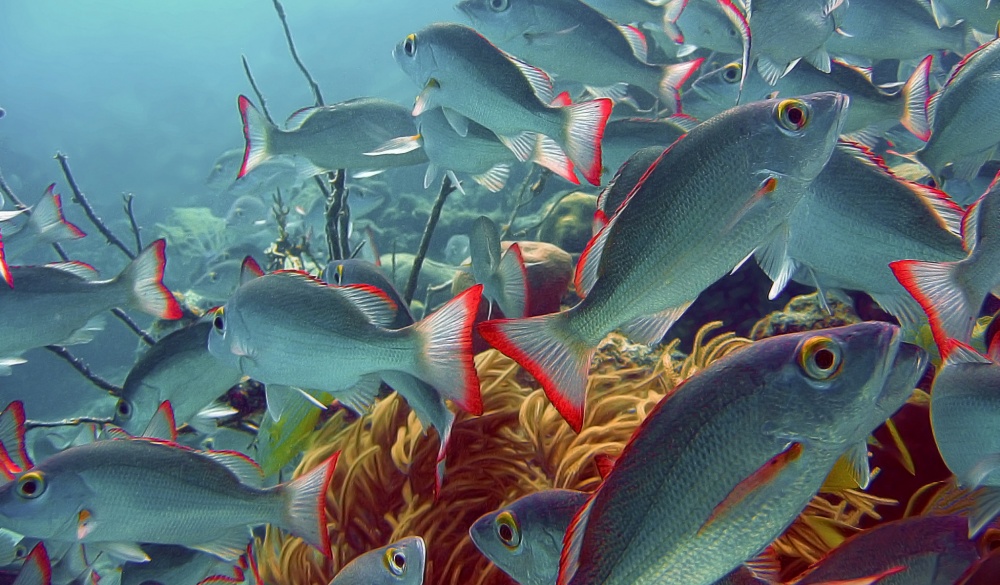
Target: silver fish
(740,455)
(53,304)
(524,538)
(785,31)
(278,172)
(330,137)
(893,29)
(458,69)
(503,276)
(401,562)
(573,41)
(979,15)
(122,492)
(662,248)
(456,250)
(248,213)
(46,225)
(179,369)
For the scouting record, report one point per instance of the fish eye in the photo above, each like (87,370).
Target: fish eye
(20,551)
(124,409)
(732,72)
(219,322)
(820,358)
(499,5)
(395,560)
(410,45)
(213,276)
(508,530)
(31,485)
(793,115)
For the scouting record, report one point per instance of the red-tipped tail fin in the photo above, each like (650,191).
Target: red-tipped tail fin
(739,22)
(951,308)
(48,221)
(37,570)
(583,130)
(446,360)
(674,77)
(4,269)
(13,452)
(544,347)
(916,96)
(257,133)
(305,508)
(144,277)
(549,154)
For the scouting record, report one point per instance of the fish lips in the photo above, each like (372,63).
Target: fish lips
(903,366)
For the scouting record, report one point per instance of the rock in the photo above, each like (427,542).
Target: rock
(568,226)
(805,313)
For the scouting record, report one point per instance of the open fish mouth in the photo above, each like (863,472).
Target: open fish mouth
(899,372)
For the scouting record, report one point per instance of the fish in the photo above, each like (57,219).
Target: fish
(277,172)
(740,447)
(123,492)
(952,293)
(783,32)
(524,538)
(503,276)
(289,329)
(962,126)
(927,550)
(893,29)
(177,565)
(330,137)
(178,369)
(641,12)
(625,179)
(427,403)
(691,219)
(622,138)
(57,303)
(46,225)
(248,213)
(479,153)
(979,15)
(219,280)
(871,106)
(964,410)
(704,24)
(461,71)
(400,562)
(856,219)
(575,42)
(456,250)
(36,569)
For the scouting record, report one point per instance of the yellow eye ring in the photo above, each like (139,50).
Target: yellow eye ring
(820,358)
(508,530)
(410,45)
(793,114)
(731,73)
(394,559)
(31,485)
(219,322)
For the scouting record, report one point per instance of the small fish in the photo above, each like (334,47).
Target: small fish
(461,71)
(56,303)
(963,125)
(870,104)
(524,538)
(783,32)
(123,492)
(336,339)
(741,455)
(277,172)
(456,250)
(571,40)
(857,218)
(893,29)
(503,276)
(690,220)
(952,293)
(704,24)
(219,280)
(248,213)
(926,550)
(964,414)
(479,153)
(46,225)
(178,369)
(401,562)
(330,137)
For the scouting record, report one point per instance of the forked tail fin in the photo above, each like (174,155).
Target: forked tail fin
(583,130)
(951,305)
(305,505)
(257,131)
(144,278)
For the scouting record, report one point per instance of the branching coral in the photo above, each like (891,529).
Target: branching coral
(194,233)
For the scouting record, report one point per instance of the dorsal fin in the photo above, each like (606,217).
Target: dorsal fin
(163,425)
(298,117)
(865,72)
(13,452)
(970,226)
(569,560)
(947,211)
(590,261)
(965,61)
(539,80)
(374,302)
(636,41)
(76,268)
(250,270)
(605,464)
(956,352)
(244,468)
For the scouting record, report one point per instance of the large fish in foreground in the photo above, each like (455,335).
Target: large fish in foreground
(459,70)
(330,137)
(952,293)
(124,492)
(55,303)
(399,563)
(726,462)
(287,328)
(705,205)
(575,42)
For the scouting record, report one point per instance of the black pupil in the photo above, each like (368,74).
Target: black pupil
(123,408)
(399,560)
(218,323)
(408,47)
(29,487)
(506,534)
(795,116)
(823,359)
(731,74)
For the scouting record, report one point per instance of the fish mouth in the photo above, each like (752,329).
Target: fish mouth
(465,7)
(842,103)
(899,373)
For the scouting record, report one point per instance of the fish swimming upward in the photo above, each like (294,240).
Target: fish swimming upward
(711,199)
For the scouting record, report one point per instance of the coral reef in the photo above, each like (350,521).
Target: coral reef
(568,223)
